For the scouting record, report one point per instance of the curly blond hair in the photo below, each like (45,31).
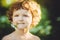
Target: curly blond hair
(33,6)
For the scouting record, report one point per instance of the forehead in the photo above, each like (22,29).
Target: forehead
(21,11)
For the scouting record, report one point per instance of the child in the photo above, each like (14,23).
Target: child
(23,16)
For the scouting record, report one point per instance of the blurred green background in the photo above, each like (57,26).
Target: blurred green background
(45,29)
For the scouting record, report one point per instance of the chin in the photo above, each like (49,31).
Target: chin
(19,27)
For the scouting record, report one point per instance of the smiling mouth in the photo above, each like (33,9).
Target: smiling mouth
(21,23)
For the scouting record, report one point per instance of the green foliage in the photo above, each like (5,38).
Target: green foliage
(3,19)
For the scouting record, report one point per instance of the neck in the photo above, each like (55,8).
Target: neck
(22,31)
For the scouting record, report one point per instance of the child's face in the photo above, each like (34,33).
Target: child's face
(22,18)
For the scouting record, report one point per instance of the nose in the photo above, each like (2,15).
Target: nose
(20,18)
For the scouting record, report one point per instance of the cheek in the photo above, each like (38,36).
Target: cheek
(14,20)
(28,20)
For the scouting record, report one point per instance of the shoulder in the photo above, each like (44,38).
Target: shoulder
(33,37)
(5,37)
(36,38)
